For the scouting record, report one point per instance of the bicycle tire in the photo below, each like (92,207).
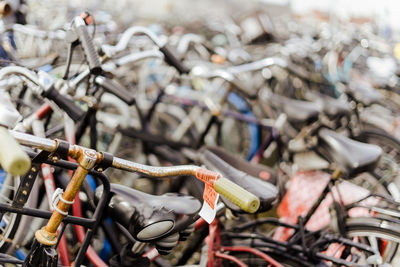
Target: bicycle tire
(390,160)
(367,228)
(167,118)
(247,134)
(10,221)
(252,260)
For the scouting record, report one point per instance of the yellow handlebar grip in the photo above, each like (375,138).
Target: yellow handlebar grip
(237,195)
(13,159)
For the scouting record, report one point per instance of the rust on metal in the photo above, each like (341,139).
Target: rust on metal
(69,195)
(87,158)
(154,171)
(46,238)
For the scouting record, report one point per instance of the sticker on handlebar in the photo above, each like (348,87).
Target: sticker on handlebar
(210,196)
(206,176)
(208,211)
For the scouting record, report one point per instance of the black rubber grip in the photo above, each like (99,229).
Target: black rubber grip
(66,104)
(173,60)
(116,89)
(90,51)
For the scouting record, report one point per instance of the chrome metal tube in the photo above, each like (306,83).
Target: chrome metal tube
(127,35)
(207,73)
(154,171)
(258,65)
(34,141)
(139,56)
(19,71)
(58,35)
(70,85)
(118,163)
(185,41)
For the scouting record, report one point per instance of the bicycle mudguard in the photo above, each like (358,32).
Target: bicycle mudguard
(304,189)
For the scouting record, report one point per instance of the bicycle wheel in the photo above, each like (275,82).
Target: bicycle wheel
(9,221)
(380,234)
(388,168)
(238,136)
(172,122)
(252,260)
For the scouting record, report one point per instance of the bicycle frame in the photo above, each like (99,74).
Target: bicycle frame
(313,209)
(91,224)
(34,122)
(215,251)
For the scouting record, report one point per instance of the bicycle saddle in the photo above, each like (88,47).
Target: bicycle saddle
(163,219)
(243,174)
(364,93)
(352,157)
(332,107)
(297,111)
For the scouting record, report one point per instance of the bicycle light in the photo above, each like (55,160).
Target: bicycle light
(155,230)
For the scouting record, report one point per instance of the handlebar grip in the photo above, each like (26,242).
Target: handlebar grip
(66,104)
(115,89)
(88,46)
(173,60)
(237,195)
(13,159)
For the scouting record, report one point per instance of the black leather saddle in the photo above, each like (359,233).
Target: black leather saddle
(151,218)
(297,111)
(245,174)
(352,157)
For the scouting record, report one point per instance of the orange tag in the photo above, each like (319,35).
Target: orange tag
(208,211)
(210,196)
(206,176)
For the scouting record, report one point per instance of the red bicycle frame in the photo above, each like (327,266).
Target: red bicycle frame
(217,252)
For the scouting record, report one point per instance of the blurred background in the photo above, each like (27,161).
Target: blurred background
(383,13)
